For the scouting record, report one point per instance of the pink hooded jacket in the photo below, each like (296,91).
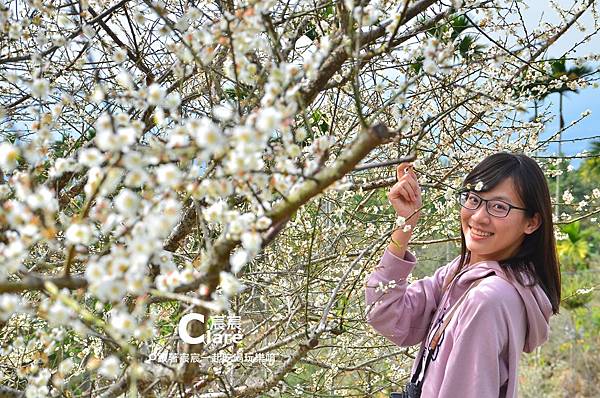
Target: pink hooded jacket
(478,354)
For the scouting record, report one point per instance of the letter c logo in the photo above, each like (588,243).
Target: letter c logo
(183,333)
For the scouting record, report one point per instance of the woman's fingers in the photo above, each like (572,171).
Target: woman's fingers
(397,191)
(402,169)
(408,194)
(407,186)
(403,191)
(414,185)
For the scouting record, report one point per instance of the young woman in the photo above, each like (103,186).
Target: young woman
(508,247)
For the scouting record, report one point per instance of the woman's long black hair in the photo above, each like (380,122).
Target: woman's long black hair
(536,257)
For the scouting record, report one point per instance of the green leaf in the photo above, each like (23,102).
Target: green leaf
(238,94)
(416,67)
(311,33)
(459,24)
(327,11)
(558,66)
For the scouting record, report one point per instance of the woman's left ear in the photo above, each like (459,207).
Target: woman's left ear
(533,223)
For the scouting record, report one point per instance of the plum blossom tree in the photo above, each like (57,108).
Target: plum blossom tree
(228,158)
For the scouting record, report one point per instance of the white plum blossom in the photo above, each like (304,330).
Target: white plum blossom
(400,221)
(98,94)
(94,178)
(263,222)
(15,30)
(9,304)
(66,366)
(178,138)
(168,281)
(126,137)
(268,119)
(136,178)
(172,101)
(207,134)
(119,265)
(246,138)
(215,188)
(134,160)
(238,163)
(40,88)
(59,314)
(79,233)
(42,198)
(251,241)
(165,261)
(141,248)
(223,112)
(9,154)
(109,290)
(170,209)
(168,175)
(38,384)
(91,157)
(156,94)
(238,259)
(119,56)
(124,79)
(95,271)
(61,166)
(106,139)
(215,212)
(457,4)
(111,181)
(4,191)
(568,197)
(186,276)
(430,67)
(230,284)
(137,283)
(127,202)
(123,322)
(110,367)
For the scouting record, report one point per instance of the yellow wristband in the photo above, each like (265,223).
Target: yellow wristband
(398,245)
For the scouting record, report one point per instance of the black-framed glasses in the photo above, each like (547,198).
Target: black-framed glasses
(495,207)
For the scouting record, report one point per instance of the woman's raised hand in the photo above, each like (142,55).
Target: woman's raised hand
(405,195)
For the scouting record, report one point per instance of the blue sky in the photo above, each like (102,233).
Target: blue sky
(573,106)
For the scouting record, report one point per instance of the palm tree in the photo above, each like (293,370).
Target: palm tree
(565,75)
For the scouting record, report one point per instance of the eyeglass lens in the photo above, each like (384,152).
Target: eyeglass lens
(495,207)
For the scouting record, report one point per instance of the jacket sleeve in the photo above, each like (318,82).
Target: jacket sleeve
(396,309)
(475,367)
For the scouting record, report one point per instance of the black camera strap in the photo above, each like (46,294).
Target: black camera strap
(417,376)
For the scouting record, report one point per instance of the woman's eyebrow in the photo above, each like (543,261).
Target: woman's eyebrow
(501,197)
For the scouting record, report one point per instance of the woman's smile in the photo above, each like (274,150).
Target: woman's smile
(479,234)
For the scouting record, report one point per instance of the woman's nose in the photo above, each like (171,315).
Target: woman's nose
(481,214)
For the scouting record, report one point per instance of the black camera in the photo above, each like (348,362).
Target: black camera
(412,390)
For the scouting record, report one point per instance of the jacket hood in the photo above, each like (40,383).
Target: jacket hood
(537,305)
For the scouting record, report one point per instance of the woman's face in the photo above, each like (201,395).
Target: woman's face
(492,238)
